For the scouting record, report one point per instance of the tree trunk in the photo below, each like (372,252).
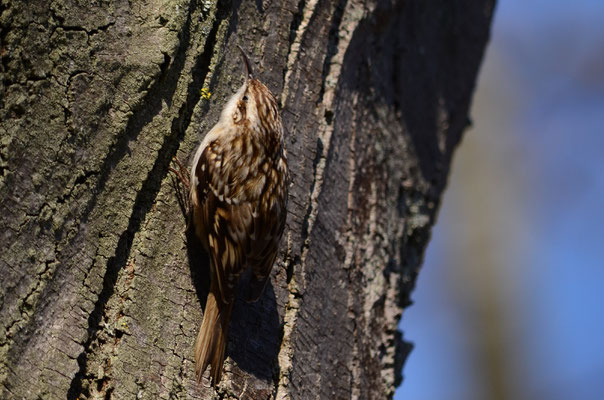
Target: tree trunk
(102,298)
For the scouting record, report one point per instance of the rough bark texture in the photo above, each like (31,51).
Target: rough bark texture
(100,296)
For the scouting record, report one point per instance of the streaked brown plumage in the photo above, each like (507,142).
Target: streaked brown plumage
(238,195)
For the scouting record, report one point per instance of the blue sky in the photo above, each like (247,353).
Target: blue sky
(530,244)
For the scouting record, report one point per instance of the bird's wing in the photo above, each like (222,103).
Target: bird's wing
(223,223)
(268,226)
(243,212)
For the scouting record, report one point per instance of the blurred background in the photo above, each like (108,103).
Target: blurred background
(509,303)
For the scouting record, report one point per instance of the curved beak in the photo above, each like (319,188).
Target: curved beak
(248,66)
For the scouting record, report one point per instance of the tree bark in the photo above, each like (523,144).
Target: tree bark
(102,291)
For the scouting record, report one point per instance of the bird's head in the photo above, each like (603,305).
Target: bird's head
(253,106)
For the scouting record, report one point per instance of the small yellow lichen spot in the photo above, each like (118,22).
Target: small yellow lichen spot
(205,93)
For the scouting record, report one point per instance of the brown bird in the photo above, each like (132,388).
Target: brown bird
(238,192)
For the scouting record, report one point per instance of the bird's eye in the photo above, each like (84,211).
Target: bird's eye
(244,98)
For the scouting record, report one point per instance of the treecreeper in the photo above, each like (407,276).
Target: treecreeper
(238,199)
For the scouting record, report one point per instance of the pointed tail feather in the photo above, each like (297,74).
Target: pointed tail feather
(211,341)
